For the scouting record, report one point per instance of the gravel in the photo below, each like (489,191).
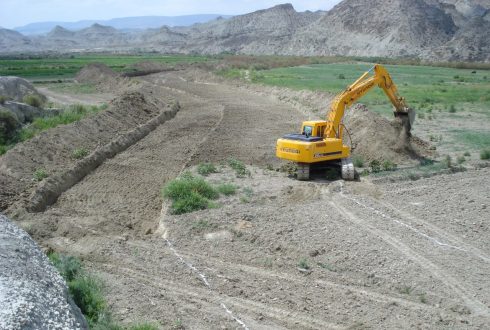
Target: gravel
(33,295)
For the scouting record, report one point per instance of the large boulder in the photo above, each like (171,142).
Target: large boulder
(33,295)
(16,88)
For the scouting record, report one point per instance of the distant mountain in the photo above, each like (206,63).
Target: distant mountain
(124,23)
(435,30)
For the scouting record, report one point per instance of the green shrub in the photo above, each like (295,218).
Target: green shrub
(452,108)
(8,126)
(68,266)
(375,166)
(189,194)
(485,154)
(389,166)
(239,167)
(467,154)
(33,100)
(303,264)
(341,76)
(79,153)
(206,168)
(226,189)
(87,294)
(358,161)
(40,174)
(461,159)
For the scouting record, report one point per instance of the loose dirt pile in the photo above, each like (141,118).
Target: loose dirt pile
(102,76)
(17,166)
(377,138)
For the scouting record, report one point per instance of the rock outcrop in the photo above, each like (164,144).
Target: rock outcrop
(33,295)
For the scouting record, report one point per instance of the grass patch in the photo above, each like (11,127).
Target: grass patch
(406,290)
(79,153)
(206,168)
(358,161)
(415,83)
(226,189)
(189,193)
(239,167)
(33,100)
(74,88)
(40,174)
(72,114)
(389,166)
(58,67)
(3,99)
(476,140)
(485,154)
(375,166)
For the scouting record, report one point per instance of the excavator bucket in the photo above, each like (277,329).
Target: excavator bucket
(406,118)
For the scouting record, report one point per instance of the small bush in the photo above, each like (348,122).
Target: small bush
(33,100)
(239,167)
(358,161)
(467,154)
(206,168)
(189,194)
(389,166)
(40,174)
(461,159)
(79,153)
(303,264)
(485,154)
(341,76)
(226,189)
(375,166)
(447,162)
(421,115)
(452,108)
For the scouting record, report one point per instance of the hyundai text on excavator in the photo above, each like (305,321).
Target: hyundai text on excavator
(320,143)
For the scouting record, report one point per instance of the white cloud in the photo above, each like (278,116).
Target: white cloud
(20,12)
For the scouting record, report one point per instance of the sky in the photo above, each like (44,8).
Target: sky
(15,13)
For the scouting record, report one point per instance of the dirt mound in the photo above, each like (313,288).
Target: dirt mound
(377,138)
(17,88)
(96,73)
(52,150)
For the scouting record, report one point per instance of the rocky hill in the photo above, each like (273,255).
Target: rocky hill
(450,30)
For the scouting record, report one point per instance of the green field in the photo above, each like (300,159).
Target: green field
(425,88)
(50,68)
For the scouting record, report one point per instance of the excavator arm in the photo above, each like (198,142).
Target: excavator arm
(379,77)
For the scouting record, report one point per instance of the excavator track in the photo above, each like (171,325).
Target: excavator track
(348,170)
(303,172)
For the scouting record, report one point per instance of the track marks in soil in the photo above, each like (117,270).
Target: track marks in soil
(466,295)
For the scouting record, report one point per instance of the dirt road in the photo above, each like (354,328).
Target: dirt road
(281,253)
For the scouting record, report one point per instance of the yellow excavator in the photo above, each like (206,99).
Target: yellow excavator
(320,143)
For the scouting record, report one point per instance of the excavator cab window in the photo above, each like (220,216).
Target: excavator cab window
(307,131)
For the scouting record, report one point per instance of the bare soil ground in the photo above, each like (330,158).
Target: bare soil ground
(281,253)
